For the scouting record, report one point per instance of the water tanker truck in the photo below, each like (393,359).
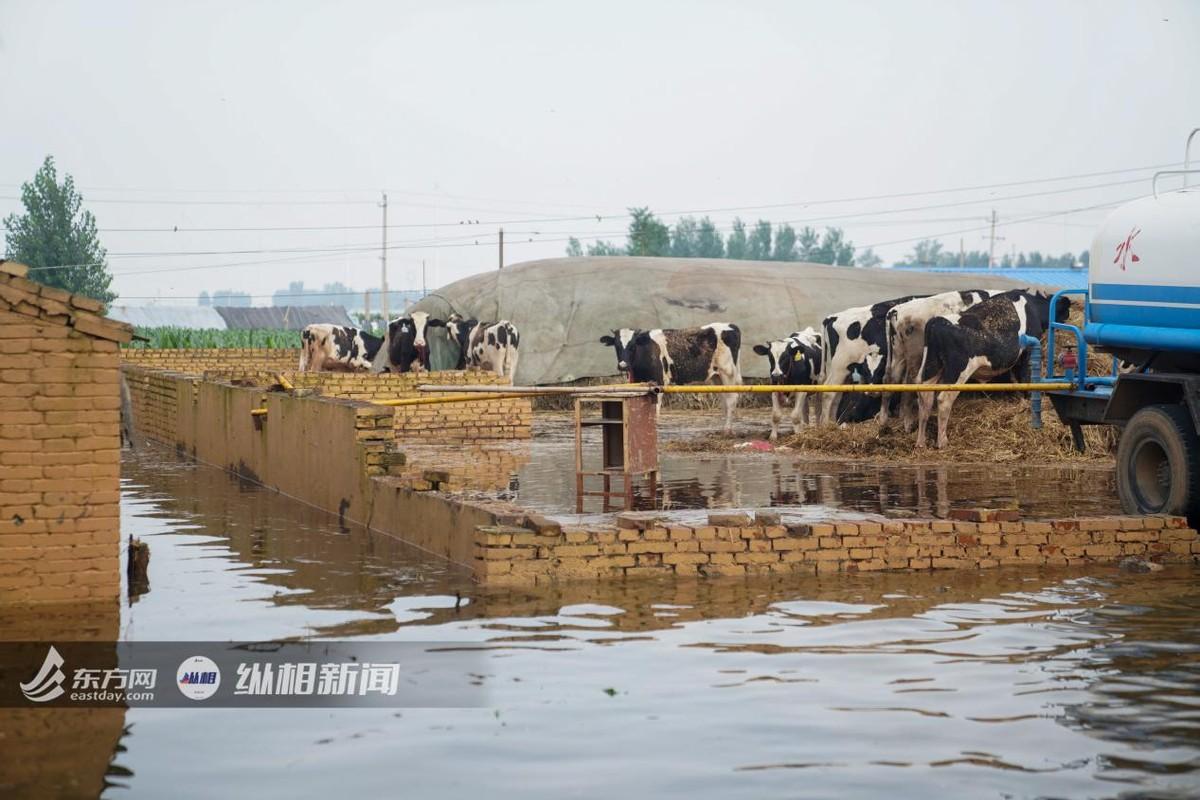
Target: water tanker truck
(1142,306)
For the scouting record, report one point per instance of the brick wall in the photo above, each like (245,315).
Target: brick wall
(59,445)
(196,361)
(640,545)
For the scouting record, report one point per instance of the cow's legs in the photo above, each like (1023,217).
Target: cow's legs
(733,378)
(800,412)
(776,415)
(924,401)
(946,401)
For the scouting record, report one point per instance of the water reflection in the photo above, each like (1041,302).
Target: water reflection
(1025,682)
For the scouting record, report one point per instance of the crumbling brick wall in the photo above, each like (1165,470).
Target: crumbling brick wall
(59,444)
(196,361)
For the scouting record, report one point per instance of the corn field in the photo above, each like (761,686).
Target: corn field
(187,338)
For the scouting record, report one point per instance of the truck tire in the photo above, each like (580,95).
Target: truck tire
(1158,463)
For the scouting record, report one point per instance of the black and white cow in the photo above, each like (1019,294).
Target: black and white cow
(460,331)
(336,348)
(681,356)
(495,346)
(407,348)
(906,342)
(983,342)
(855,351)
(794,361)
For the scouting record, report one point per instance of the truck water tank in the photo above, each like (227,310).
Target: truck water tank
(1144,275)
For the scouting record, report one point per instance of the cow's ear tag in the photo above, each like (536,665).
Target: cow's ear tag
(798,357)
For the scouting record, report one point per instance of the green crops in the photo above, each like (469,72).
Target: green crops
(175,338)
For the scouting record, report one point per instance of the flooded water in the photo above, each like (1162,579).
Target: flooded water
(785,480)
(1002,683)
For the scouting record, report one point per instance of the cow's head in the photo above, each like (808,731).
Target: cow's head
(776,354)
(460,331)
(626,341)
(406,340)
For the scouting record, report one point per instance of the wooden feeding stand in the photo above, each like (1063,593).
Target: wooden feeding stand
(629,439)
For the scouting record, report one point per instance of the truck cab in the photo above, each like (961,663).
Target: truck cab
(1142,308)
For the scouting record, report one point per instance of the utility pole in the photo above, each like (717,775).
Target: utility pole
(962,256)
(502,248)
(367,310)
(424,291)
(383,296)
(992,243)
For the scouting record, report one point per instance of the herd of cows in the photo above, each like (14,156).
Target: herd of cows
(946,338)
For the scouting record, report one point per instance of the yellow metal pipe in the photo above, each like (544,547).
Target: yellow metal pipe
(869,388)
(284,382)
(258,412)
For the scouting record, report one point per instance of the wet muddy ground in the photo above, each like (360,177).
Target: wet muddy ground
(1001,683)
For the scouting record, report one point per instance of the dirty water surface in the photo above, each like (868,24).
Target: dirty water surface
(798,483)
(1002,683)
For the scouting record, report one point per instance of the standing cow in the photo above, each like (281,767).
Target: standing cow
(460,331)
(983,342)
(337,348)
(906,342)
(683,356)
(495,346)
(794,361)
(855,351)
(406,348)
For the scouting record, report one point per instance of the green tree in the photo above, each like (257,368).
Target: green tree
(574,248)
(685,238)
(709,242)
(834,249)
(807,243)
(785,244)
(735,246)
(57,237)
(647,236)
(867,258)
(925,253)
(759,243)
(1085,258)
(603,248)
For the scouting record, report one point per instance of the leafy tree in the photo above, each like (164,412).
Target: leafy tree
(807,243)
(647,236)
(759,243)
(574,248)
(58,237)
(735,246)
(926,253)
(709,242)
(1085,258)
(685,238)
(785,244)
(603,248)
(834,249)
(867,258)
(204,299)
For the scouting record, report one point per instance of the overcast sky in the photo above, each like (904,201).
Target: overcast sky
(261,115)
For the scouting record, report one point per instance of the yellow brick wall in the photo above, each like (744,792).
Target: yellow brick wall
(59,462)
(196,361)
(543,551)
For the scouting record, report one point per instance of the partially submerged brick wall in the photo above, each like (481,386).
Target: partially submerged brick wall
(643,545)
(59,445)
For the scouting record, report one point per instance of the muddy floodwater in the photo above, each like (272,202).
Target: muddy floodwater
(785,480)
(1002,683)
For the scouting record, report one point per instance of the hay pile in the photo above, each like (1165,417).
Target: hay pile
(982,430)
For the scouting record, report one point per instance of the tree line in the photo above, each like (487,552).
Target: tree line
(932,253)
(647,235)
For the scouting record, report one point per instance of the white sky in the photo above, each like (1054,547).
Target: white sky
(518,110)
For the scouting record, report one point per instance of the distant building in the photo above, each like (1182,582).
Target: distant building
(276,318)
